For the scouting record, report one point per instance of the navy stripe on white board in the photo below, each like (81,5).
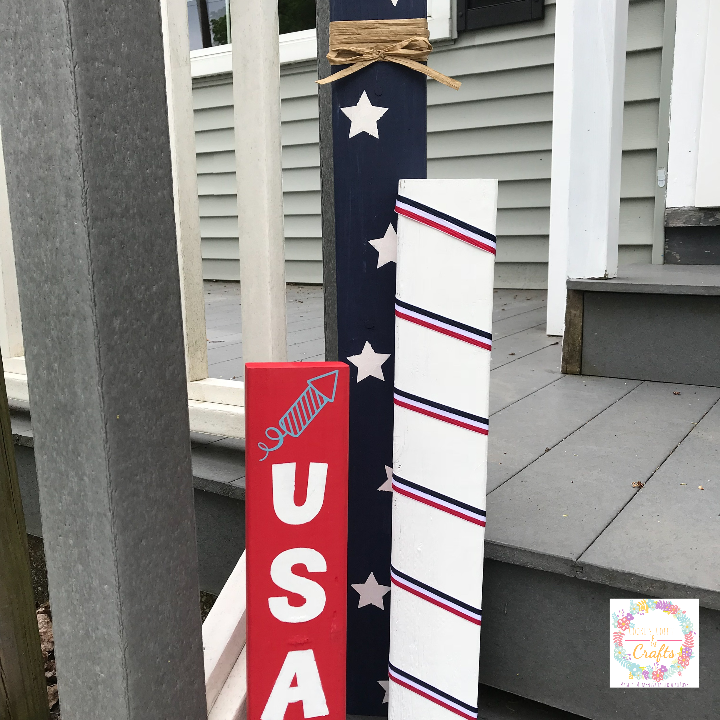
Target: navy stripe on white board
(446,223)
(431,693)
(438,500)
(442,412)
(441,324)
(411,585)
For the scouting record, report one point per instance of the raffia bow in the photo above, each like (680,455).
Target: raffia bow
(359,43)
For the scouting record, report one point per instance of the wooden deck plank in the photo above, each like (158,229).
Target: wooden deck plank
(227,370)
(513,347)
(297,337)
(303,322)
(221,336)
(556,508)
(304,354)
(221,322)
(520,434)
(516,302)
(518,323)
(514,381)
(672,515)
(221,353)
(518,313)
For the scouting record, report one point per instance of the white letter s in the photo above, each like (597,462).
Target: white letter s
(282,575)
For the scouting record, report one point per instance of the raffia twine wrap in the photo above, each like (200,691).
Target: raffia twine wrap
(359,43)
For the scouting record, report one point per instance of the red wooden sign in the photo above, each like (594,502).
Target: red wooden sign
(296,539)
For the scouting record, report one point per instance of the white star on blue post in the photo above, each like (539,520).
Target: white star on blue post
(364,116)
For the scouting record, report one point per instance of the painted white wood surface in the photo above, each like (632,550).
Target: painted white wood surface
(224,633)
(707,191)
(17,388)
(231,703)
(589,87)
(15,365)
(691,36)
(178,80)
(446,276)
(217,419)
(214,390)
(258,159)
(11,341)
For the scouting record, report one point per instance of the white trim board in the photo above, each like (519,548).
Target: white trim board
(302,46)
(707,188)
(224,633)
(686,103)
(216,407)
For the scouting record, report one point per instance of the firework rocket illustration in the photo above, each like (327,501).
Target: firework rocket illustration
(319,392)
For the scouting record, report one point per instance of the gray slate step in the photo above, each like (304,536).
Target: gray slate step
(666,538)
(652,322)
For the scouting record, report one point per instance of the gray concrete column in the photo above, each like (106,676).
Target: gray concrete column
(85,131)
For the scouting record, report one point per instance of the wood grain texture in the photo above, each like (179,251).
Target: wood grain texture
(428,640)
(367,171)
(572,341)
(558,506)
(673,492)
(22,680)
(327,182)
(692,216)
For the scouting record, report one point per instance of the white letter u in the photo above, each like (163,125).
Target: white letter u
(284,493)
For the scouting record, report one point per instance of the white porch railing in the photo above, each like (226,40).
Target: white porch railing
(215,406)
(224,635)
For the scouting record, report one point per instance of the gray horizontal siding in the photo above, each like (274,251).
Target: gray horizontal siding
(215,147)
(498,125)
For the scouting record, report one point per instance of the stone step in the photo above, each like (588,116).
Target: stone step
(692,236)
(652,322)
(494,704)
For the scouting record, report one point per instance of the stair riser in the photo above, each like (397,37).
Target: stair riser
(644,336)
(546,637)
(219,520)
(692,245)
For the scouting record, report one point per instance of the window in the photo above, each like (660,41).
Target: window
(477,14)
(296,15)
(207,20)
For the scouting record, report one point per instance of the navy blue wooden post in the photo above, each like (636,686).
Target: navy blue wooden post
(367,170)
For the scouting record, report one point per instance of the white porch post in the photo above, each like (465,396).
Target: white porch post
(11,340)
(691,40)
(589,88)
(256,96)
(707,192)
(184,170)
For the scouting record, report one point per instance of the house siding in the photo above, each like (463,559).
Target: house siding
(499,125)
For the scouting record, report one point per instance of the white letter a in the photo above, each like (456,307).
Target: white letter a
(300,663)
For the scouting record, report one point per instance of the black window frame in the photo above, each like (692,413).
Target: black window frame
(494,13)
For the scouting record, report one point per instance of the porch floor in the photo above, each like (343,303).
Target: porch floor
(306,339)
(606,480)
(586,474)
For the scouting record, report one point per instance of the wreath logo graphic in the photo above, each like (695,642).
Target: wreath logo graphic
(657,672)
